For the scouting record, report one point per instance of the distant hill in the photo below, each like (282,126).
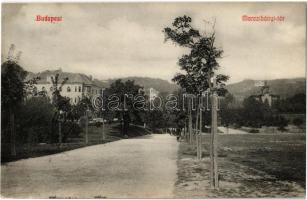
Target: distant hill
(156,83)
(282,87)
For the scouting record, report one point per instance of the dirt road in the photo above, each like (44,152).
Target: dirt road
(132,168)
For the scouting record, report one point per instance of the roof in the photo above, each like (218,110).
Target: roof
(72,77)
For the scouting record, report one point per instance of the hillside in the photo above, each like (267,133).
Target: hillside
(156,83)
(282,87)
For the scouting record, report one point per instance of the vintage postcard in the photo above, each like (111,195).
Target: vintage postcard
(153,100)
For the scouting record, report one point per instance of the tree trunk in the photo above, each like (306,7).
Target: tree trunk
(103,132)
(12,130)
(60,133)
(200,132)
(126,126)
(190,121)
(196,130)
(213,153)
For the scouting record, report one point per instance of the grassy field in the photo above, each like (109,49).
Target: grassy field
(112,132)
(251,165)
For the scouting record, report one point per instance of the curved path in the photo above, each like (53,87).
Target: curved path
(142,167)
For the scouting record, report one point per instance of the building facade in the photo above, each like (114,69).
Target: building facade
(76,87)
(266,96)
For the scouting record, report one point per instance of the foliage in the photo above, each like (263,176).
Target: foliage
(254,113)
(34,120)
(125,111)
(201,62)
(298,121)
(226,112)
(12,94)
(12,84)
(254,131)
(70,130)
(295,104)
(80,108)
(57,88)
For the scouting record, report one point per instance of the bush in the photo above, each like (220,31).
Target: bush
(297,121)
(281,122)
(253,131)
(33,121)
(70,129)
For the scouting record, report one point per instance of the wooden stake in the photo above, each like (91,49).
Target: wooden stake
(213,149)
(197,132)
(200,132)
(190,121)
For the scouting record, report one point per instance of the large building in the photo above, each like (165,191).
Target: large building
(77,86)
(266,96)
(153,93)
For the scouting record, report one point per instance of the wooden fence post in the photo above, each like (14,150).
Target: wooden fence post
(213,149)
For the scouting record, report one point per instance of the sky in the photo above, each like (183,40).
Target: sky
(113,40)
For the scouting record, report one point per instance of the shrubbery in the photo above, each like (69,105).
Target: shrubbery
(34,120)
(298,121)
(254,114)
(254,131)
(35,123)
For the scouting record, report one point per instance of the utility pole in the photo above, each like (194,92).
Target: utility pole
(213,142)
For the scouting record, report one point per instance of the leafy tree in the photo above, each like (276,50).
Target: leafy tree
(62,104)
(34,120)
(57,87)
(253,112)
(281,122)
(226,109)
(125,111)
(12,94)
(80,108)
(295,104)
(201,62)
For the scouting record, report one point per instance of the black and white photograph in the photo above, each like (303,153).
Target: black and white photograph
(164,100)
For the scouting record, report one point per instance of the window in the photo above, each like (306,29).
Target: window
(79,88)
(75,88)
(75,100)
(68,89)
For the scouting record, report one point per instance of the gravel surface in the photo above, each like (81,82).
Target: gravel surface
(142,167)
